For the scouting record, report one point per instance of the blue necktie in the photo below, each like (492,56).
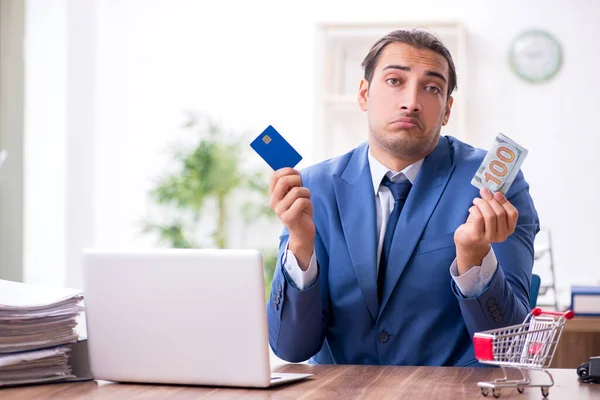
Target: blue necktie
(400,192)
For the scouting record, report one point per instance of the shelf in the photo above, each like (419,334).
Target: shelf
(583,324)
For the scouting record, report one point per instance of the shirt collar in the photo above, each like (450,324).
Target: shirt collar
(378,171)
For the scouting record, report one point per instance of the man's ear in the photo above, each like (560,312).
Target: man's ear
(363,94)
(448,109)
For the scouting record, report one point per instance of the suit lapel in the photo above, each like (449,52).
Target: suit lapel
(422,200)
(356,204)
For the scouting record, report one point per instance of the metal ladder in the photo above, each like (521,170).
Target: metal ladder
(544,263)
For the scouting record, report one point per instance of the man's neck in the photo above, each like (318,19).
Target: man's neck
(390,161)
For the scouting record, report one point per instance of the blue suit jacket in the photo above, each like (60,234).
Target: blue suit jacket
(422,319)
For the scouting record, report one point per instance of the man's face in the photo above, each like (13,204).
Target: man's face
(406,101)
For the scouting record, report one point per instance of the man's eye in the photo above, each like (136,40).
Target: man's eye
(393,81)
(432,89)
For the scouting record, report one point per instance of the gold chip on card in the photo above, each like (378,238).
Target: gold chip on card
(267,139)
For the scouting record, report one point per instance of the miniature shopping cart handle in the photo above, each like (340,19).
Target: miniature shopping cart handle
(567,314)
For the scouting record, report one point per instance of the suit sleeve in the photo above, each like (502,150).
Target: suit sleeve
(298,318)
(505,300)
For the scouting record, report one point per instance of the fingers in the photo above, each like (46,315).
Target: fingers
(278,174)
(300,206)
(289,199)
(512,214)
(477,222)
(501,218)
(498,214)
(489,217)
(282,186)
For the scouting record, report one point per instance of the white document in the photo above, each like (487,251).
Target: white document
(36,366)
(29,356)
(35,316)
(39,333)
(29,297)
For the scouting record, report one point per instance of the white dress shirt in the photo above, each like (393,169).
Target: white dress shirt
(471,283)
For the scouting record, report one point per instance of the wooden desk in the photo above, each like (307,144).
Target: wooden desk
(580,340)
(328,382)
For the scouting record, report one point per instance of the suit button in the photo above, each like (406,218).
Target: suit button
(499,318)
(496,313)
(492,308)
(490,302)
(383,337)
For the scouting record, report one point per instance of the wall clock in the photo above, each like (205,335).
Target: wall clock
(535,56)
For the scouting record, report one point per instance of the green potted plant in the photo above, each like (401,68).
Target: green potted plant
(209,170)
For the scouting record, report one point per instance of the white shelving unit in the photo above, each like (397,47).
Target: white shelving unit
(340,124)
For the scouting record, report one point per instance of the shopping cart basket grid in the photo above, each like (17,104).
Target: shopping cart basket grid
(523,347)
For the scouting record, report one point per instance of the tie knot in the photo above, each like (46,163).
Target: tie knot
(399,189)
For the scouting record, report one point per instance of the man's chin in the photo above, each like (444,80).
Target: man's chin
(409,147)
(407,131)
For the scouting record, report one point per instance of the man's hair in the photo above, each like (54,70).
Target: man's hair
(416,38)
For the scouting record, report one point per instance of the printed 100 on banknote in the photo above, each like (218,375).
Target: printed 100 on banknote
(500,166)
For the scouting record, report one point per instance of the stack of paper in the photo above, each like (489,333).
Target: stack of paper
(38,324)
(35,366)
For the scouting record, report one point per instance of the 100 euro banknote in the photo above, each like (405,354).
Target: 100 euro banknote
(500,166)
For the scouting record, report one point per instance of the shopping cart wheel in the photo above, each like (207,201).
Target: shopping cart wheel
(520,390)
(545,391)
(484,391)
(496,392)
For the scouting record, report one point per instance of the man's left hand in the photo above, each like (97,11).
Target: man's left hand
(491,219)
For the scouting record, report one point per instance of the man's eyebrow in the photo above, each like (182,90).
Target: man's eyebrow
(405,68)
(400,67)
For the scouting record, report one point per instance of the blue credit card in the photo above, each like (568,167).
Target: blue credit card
(275,150)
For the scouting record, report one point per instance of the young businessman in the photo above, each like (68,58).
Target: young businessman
(357,284)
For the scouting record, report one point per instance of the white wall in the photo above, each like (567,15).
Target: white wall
(180,56)
(252,64)
(45,141)
(60,46)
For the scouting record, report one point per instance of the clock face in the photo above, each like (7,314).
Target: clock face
(535,56)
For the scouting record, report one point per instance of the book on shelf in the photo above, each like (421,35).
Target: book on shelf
(585,300)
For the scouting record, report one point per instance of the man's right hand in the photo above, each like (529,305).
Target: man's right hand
(291,202)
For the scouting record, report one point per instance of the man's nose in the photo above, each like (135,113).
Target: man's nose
(410,101)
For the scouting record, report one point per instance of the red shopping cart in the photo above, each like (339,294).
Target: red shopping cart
(528,346)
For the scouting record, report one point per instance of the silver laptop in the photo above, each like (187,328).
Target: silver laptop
(178,316)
